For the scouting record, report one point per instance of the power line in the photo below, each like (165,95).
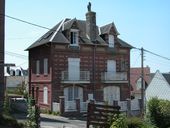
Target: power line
(16,55)
(156,54)
(17,19)
(153,53)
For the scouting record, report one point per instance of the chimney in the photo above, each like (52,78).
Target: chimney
(91,23)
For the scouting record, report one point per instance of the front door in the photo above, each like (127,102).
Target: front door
(111,93)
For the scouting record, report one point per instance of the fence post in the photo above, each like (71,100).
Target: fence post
(128,107)
(62,104)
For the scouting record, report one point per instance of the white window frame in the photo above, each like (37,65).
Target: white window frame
(73,93)
(45,95)
(45,66)
(74,68)
(111,41)
(37,67)
(74,39)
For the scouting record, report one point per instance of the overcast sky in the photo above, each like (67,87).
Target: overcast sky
(141,23)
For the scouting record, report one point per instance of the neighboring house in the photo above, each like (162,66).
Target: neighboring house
(78,59)
(15,76)
(135,80)
(135,83)
(159,86)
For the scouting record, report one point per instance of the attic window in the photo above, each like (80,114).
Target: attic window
(74,37)
(111,41)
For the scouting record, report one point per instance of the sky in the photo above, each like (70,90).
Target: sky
(141,23)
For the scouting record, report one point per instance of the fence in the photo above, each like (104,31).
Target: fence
(98,115)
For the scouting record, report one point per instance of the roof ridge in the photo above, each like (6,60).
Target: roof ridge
(57,30)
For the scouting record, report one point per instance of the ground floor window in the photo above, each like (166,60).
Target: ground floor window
(111,93)
(45,95)
(73,92)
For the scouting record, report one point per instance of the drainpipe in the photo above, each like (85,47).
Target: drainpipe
(94,69)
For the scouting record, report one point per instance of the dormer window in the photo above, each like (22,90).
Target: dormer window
(111,41)
(74,37)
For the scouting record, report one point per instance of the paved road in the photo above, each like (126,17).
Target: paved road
(51,121)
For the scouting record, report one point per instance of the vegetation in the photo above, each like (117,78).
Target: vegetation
(122,121)
(19,90)
(159,112)
(9,121)
(6,120)
(31,121)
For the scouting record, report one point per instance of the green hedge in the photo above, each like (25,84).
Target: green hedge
(9,121)
(159,112)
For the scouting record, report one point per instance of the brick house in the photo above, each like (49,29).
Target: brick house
(78,59)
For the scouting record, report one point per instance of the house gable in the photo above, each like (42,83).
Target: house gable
(159,87)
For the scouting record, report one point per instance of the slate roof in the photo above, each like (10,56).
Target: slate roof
(106,28)
(55,35)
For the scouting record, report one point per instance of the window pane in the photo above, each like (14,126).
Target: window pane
(74,37)
(37,67)
(76,93)
(111,41)
(45,95)
(45,66)
(70,93)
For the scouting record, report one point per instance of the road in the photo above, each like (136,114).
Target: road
(51,121)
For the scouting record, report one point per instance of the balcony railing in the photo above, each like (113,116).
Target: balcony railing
(82,76)
(114,76)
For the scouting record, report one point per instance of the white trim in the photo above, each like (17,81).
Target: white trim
(74,30)
(57,30)
(99,30)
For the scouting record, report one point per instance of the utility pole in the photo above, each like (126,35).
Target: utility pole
(2,34)
(142,84)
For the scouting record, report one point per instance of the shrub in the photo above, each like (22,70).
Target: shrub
(134,122)
(9,121)
(159,112)
(118,121)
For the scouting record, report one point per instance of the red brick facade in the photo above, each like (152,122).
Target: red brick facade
(58,61)
(92,53)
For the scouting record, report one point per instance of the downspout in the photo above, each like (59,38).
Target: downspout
(94,69)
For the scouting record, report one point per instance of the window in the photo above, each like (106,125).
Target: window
(12,72)
(18,72)
(111,41)
(37,67)
(74,37)
(45,66)
(73,93)
(45,95)
(123,65)
(74,68)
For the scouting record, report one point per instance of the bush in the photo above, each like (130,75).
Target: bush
(9,121)
(119,121)
(159,112)
(134,122)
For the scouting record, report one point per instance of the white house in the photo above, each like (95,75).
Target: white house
(159,86)
(15,76)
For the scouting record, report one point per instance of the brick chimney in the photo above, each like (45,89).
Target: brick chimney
(91,23)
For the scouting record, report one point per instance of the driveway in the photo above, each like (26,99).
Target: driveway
(51,121)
